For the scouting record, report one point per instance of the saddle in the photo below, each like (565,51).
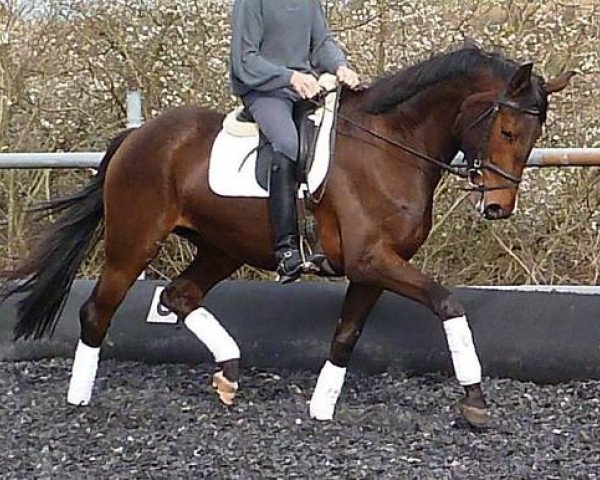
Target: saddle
(307,136)
(308,121)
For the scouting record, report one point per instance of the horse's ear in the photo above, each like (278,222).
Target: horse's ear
(520,81)
(470,43)
(558,83)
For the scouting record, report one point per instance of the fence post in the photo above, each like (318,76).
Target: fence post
(134,109)
(134,120)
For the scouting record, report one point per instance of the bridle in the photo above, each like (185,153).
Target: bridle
(475,165)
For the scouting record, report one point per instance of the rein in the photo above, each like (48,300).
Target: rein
(474,166)
(444,166)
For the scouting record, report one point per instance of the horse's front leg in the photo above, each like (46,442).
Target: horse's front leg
(381,270)
(359,301)
(384,268)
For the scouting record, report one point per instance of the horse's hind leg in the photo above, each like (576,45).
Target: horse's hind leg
(184,297)
(128,248)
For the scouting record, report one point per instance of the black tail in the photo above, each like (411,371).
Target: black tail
(45,278)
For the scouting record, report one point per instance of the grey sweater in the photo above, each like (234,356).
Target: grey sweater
(272,38)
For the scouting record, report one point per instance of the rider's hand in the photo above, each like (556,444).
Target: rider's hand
(347,76)
(305,85)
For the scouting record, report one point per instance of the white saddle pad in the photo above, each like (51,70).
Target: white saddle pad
(230,175)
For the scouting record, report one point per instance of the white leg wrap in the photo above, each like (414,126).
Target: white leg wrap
(83,374)
(464,356)
(211,333)
(327,391)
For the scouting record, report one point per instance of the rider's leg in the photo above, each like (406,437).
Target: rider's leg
(273,113)
(282,206)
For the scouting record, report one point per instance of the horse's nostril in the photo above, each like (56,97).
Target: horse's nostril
(493,212)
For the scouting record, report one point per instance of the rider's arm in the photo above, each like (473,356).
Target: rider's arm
(246,62)
(326,55)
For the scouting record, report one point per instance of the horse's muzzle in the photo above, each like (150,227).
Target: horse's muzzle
(493,211)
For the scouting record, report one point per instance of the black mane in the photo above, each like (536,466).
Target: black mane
(387,92)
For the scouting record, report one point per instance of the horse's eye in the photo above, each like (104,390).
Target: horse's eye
(506,134)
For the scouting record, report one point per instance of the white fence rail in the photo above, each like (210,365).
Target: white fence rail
(540,157)
(72,159)
(50,160)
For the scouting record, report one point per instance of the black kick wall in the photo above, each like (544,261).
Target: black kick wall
(537,336)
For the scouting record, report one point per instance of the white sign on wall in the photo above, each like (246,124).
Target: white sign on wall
(153,314)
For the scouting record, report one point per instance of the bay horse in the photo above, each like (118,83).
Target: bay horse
(395,138)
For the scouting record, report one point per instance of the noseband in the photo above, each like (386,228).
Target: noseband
(476,165)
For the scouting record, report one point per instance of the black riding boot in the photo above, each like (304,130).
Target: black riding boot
(282,207)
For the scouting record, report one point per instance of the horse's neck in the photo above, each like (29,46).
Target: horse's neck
(423,123)
(426,122)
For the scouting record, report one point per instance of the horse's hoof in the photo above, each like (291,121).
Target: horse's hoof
(476,416)
(224,387)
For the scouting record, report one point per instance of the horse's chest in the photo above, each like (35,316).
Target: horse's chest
(408,225)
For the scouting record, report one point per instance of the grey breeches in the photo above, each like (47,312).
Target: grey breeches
(273,113)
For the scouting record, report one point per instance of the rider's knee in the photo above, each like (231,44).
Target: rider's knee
(287,145)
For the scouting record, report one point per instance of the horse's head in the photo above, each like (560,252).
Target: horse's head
(497,130)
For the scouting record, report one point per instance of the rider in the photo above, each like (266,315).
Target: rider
(276,48)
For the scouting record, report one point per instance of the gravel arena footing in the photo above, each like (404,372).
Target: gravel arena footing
(164,421)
